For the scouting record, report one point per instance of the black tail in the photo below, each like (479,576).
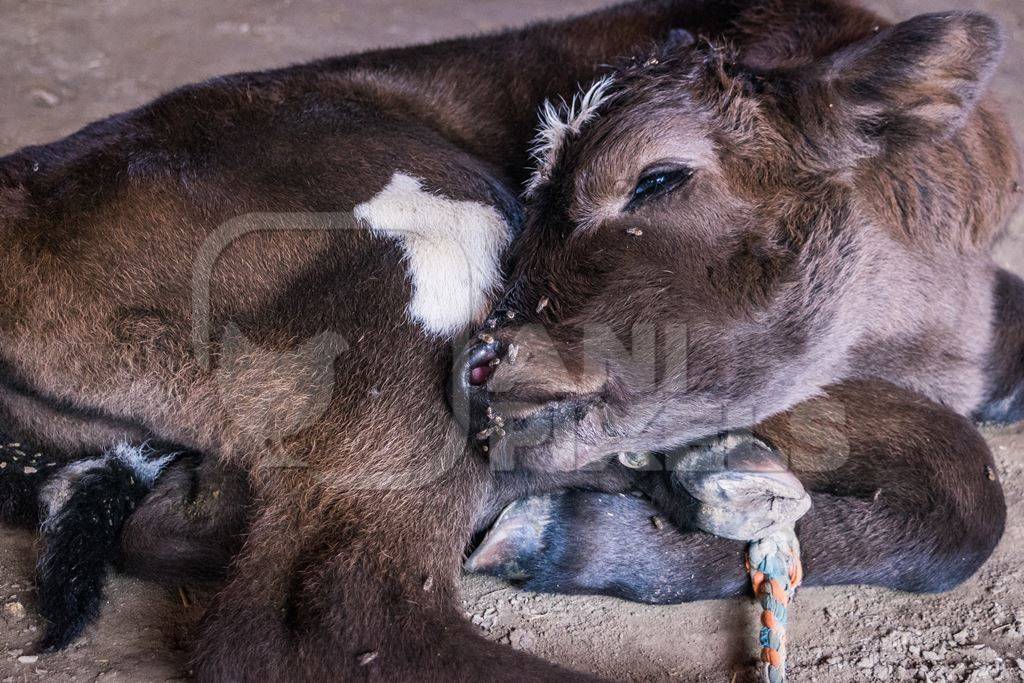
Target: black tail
(84,507)
(23,474)
(1005,400)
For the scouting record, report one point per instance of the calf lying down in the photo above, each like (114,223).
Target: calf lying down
(804,217)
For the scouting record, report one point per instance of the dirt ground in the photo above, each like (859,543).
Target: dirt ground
(68,62)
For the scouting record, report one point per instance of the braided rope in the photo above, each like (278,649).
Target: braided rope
(775,573)
(744,492)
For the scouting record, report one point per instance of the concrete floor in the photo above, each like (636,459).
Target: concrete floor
(67,62)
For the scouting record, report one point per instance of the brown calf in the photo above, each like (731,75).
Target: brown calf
(362,492)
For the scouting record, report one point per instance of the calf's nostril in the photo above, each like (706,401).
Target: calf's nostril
(483,365)
(481,361)
(467,393)
(480,374)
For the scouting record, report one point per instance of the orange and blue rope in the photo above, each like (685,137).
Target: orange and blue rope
(775,573)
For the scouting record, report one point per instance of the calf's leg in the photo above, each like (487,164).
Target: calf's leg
(1005,371)
(190,527)
(905,495)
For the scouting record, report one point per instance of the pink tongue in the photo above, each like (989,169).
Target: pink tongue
(480,374)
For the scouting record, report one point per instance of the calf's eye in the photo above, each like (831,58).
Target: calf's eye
(656,182)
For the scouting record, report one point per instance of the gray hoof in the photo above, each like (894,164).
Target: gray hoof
(744,490)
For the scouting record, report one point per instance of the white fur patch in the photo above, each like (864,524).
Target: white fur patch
(453,249)
(558,123)
(140,460)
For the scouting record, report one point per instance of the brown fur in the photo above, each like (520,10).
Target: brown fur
(360,504)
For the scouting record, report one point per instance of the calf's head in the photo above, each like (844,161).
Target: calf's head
(696,241)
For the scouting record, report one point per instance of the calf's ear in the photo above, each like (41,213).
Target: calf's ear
(916,80)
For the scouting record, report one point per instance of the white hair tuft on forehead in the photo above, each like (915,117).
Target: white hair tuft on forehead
(559,122)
